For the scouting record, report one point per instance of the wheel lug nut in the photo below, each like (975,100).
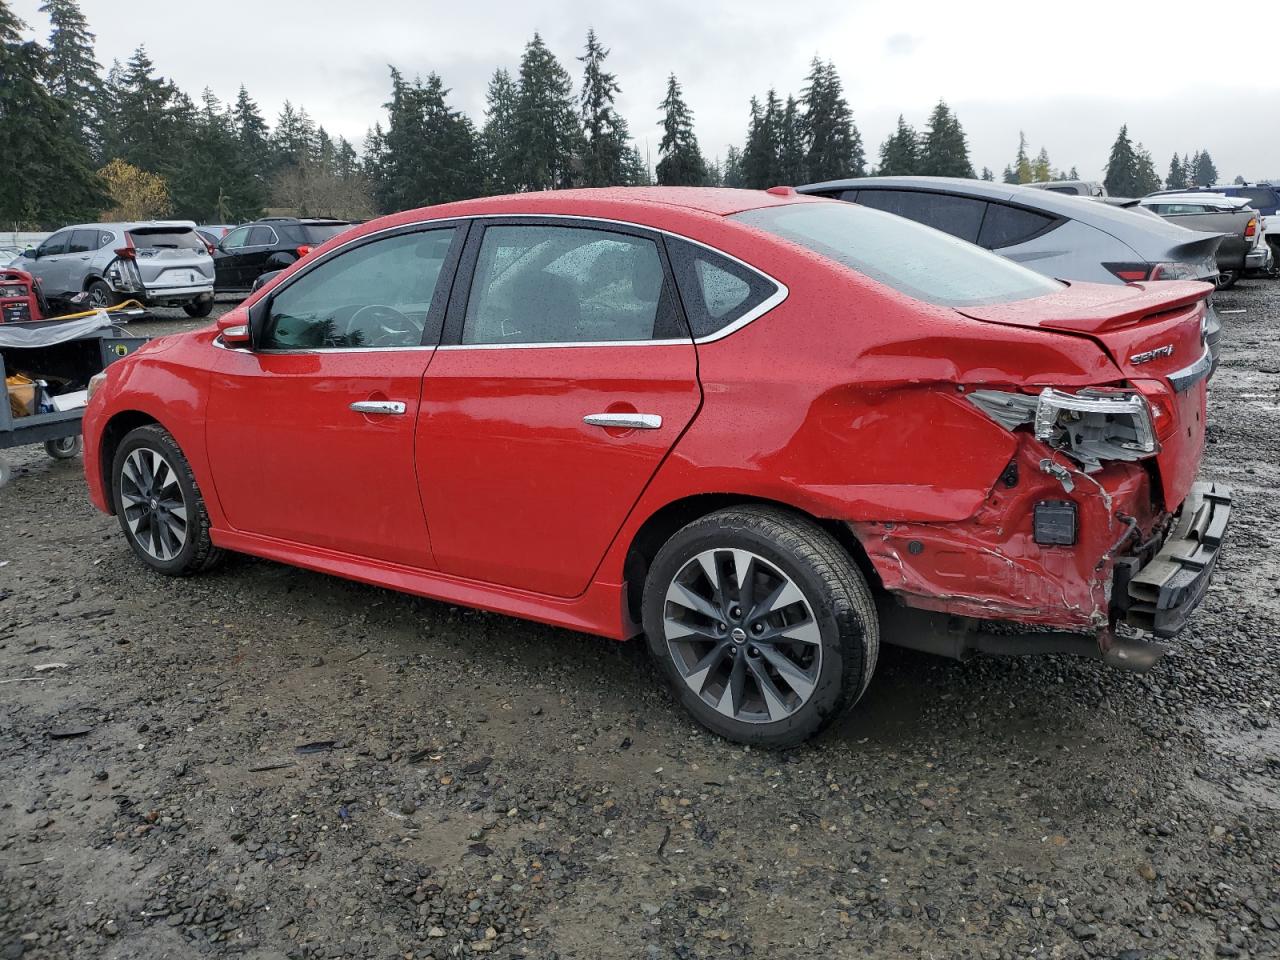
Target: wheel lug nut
(735,612)
(757,628)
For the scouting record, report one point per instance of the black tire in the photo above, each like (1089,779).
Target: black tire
(198,308)
(795,548)
(1227,279)
(101,296)
(64,448)
(196,553)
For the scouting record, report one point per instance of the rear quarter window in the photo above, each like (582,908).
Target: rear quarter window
(717,291)
(922,263)
(1005,226)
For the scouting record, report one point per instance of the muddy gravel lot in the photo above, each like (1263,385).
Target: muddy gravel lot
(270,763)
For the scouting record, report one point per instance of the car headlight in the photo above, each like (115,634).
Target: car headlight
(97,380)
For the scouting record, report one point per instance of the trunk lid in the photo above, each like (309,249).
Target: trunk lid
(171,256)
(1154,333)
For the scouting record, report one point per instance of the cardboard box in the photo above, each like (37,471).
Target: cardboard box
(22,395)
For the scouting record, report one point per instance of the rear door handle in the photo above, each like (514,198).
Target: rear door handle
(625,421)
(394,407)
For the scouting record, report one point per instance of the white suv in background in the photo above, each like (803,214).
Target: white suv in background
(157,262)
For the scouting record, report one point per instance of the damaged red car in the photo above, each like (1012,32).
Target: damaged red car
(768,432)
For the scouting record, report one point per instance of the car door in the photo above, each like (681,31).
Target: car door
(566,376)
(258,249)
(51,265)
(227,268)
(80,249)
(310,434)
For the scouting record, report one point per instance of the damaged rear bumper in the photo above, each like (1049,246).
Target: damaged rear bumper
(1158,588)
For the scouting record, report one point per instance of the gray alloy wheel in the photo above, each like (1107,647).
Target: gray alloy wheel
(101,296)
(155,509)
(743,636)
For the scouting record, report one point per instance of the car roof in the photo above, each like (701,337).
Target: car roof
(1121,223)
(129,225)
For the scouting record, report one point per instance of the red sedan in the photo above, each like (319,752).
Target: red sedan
(764,430)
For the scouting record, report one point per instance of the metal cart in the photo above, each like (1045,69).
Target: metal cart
(64,354)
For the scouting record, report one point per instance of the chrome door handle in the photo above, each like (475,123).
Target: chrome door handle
(379,406)
(625,421)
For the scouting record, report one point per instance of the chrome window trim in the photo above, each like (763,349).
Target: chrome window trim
(780,294)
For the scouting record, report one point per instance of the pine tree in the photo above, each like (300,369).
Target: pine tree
(762,156)
(1205,172)
(1072,174)
(48,177)
(604,154)
(1145,178)
(144,125)
(900,152)
(1041,171)
(834,146)
(1010,175)
(213,179)
(732,173)
(792,154)
(1022,163)
(502,154)
(680,161)
(635,172)
(547,134)
(1122,167)
(944,151)
(1177,179)
(73,70)
(430,153)
(987,174)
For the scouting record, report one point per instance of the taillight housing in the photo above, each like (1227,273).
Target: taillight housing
(1251,230)
(304,250)
(1138,272)
(1173,271)
(1130,272)
(1164,415)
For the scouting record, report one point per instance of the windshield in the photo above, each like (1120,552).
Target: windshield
(318,233)
(921,262)
(168,238)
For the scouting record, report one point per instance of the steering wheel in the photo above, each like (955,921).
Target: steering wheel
(384,326)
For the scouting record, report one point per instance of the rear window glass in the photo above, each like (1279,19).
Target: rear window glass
(317,233)
(959,216)
(923,263)
(149,239)
(1004,226)
(1258,197)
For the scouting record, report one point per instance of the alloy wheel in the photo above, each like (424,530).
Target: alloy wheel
(154,508)
(742,635)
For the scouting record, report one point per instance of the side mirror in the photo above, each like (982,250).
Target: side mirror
(259,313)
(31,253)
(233,329)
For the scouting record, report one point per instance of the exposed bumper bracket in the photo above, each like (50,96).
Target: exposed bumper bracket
(1159,595)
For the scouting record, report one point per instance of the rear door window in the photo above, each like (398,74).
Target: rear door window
(717,291)
(317,233)
(959,216)
(1005,226)
(1259,197)
(83,241)
(261,237)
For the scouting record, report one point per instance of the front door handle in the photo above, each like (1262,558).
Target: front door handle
(624,421)
(394,407)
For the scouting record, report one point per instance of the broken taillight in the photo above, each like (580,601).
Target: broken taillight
(1251,230)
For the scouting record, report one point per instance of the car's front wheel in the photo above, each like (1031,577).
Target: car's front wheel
(762,624)
(160,508)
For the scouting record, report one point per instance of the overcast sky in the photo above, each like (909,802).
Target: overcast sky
(1068,78)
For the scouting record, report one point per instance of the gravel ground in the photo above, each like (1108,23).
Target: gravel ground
(270,763)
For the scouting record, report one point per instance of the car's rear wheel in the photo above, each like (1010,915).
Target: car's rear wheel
(198,308)
(101,296)
(160,508)
(761,623)
(1227,279)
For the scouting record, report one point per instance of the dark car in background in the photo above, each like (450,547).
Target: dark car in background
(271,243)
(1067,237)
